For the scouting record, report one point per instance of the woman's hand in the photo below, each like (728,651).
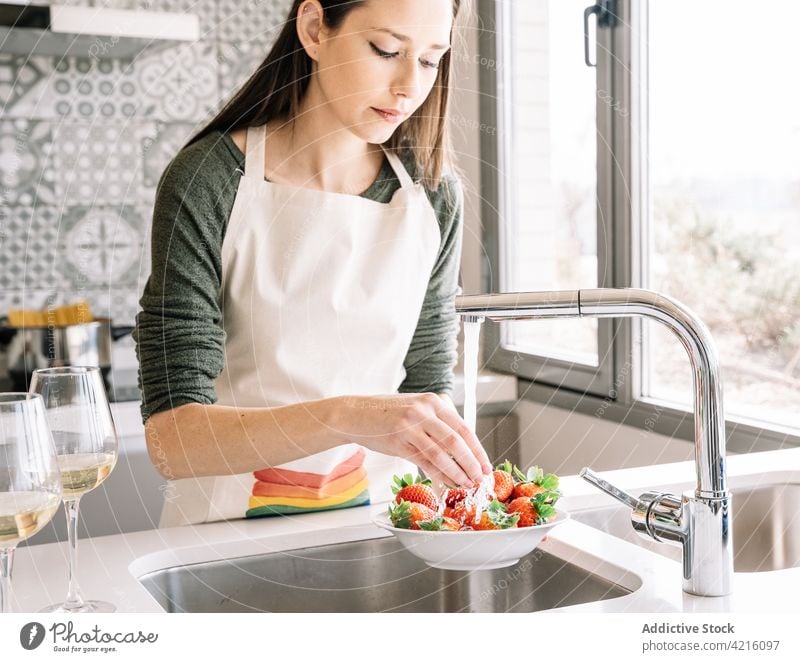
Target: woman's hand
(421,427)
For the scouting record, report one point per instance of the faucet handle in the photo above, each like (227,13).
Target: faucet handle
(655,515)
(620,495)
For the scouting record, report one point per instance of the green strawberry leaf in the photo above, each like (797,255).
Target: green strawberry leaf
(545,498)
(521,476)
(553,496)
(549,482)
(546,511)
(400,514)
(502,519)
(509,521)
(433,525)
(535,475)
(496,506)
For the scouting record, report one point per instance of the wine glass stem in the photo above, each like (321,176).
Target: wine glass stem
(6,561)
(74,597)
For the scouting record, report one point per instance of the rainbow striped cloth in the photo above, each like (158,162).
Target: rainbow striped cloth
(340,481)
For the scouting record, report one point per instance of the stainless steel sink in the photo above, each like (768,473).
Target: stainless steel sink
(765,528)
(373,575)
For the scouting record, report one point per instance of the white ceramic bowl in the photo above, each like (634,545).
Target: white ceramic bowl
(471,550)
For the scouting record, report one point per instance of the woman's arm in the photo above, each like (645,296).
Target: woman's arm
(211,440)
(179,334)
(196,440)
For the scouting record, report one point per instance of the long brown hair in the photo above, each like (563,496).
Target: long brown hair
(277,88)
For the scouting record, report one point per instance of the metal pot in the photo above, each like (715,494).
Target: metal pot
(87,344)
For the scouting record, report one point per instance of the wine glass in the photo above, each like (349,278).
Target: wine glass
(30,482)
(86,447)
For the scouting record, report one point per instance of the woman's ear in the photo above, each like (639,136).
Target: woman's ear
(310,25)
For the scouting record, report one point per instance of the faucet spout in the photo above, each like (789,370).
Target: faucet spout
(711,499)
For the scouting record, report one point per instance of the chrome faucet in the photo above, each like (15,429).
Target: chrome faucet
(700,521)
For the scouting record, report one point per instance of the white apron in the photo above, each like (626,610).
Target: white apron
(321,294)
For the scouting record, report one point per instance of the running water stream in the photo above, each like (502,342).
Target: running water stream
(472,334)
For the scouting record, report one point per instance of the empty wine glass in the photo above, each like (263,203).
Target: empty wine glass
(30,483)
(86,446)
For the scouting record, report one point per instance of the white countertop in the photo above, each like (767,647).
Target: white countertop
(109,566)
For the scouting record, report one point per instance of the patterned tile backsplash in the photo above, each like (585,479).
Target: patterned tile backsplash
(84,141)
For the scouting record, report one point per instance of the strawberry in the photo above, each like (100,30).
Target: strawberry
(532,511)
(440,524)
(523,506)
(417,490)
(503,481)
(526,490)
(464,515)
(496,517)
(535,482)
(454,495)
(408,515)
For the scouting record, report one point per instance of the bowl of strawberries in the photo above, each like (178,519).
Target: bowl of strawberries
(490,526)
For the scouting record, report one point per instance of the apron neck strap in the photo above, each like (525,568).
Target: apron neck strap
(399,169)
(254,154)
(254,157)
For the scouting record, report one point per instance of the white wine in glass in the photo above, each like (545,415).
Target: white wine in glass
(82,472)
(30,483)
(86,446)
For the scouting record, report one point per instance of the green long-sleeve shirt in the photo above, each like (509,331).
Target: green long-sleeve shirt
(179,335)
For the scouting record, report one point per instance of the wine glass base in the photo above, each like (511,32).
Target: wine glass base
(88,607)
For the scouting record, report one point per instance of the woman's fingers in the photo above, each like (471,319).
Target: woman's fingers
(451,454)
(429,429)
(454,421)
(426,447)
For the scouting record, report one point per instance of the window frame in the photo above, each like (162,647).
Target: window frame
(610,391)
(497,198)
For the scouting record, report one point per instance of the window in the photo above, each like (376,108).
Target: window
(552,229)
(671,165)
(724,185)
(546,212)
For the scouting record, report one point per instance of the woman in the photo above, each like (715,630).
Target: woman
(297,332)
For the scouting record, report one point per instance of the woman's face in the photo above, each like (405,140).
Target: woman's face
(381,64)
